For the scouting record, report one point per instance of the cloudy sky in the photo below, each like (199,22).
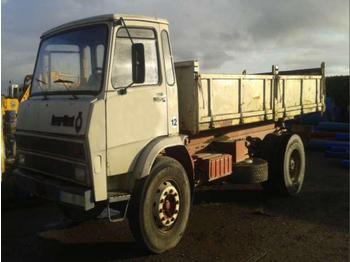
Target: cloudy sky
(224,35)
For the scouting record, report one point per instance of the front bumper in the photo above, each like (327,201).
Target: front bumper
(54,189)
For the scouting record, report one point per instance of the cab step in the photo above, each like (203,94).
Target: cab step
(114,197)
(117,206)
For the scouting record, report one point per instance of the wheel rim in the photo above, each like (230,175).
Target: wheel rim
(294,166)
(166,205)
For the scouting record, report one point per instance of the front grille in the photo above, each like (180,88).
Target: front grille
(55,157)
(69,149)
(50,166)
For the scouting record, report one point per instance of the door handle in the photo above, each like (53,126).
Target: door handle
(159,98)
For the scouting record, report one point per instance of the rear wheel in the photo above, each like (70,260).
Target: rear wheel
(286,158)
(160,207)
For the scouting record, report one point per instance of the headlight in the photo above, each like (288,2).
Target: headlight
(79,174)
(21,159)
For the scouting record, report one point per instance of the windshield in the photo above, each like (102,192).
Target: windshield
(71,62)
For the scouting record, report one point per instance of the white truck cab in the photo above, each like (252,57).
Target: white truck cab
(83,90)
(109,125)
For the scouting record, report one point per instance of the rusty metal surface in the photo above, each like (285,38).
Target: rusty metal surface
(236,148)
(241,151)
(214,166)
(198,143)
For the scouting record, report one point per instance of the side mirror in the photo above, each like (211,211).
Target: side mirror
(138,63)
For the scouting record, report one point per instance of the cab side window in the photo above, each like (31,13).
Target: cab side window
(122,60)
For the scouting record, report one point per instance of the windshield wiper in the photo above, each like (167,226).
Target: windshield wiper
(41,81)
(41,88)
(64,82)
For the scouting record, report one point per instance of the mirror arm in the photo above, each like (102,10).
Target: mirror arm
(122,89)
(127,30)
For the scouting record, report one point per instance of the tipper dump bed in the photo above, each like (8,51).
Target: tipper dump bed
(208,101)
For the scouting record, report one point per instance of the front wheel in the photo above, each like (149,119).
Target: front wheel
(160,206)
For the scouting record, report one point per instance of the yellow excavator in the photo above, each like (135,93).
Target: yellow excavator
(9,109)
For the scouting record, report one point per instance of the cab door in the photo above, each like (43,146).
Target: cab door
(136,113)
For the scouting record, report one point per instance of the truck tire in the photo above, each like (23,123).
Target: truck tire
(250,171)
(286,157)
(160,206)
(268,147)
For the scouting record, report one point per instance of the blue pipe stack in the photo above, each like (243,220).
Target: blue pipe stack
(335,141)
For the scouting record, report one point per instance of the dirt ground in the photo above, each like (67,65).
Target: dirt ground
(227,223)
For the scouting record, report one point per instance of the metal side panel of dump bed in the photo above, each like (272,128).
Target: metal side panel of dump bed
(208,101)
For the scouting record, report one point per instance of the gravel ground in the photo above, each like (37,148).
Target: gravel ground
(228,223)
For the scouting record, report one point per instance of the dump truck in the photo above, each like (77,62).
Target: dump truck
(112,124)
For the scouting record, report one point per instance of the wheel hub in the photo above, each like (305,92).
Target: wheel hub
(166,204)
(294,166)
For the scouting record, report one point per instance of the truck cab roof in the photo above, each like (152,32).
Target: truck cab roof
(103,18)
